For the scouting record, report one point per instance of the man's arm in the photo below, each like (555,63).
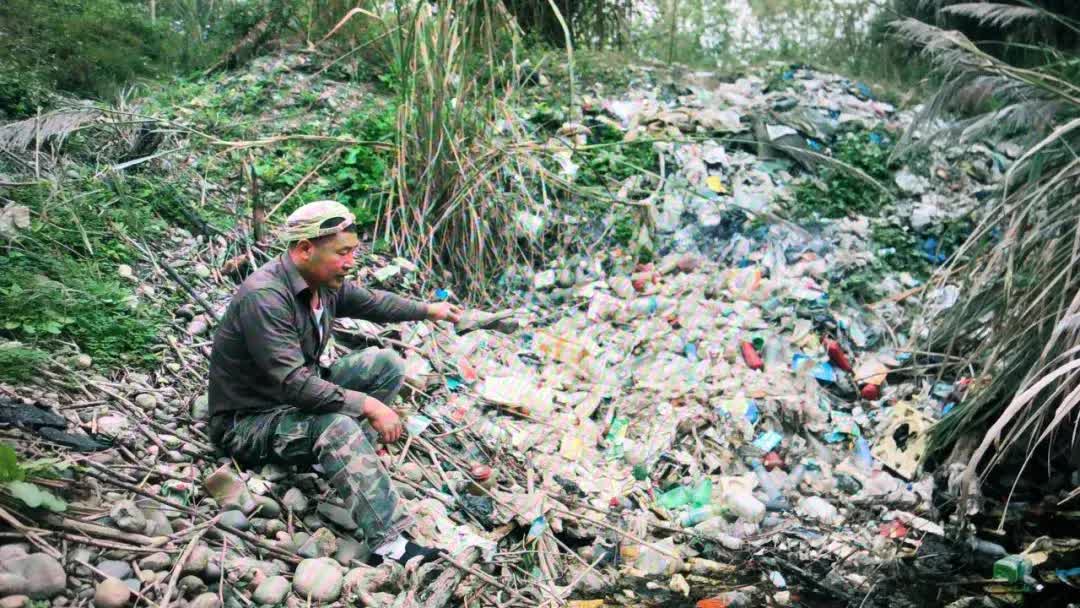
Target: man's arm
(273,340)
(359,302)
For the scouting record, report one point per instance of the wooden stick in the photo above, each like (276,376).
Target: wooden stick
(179,566)
(443,587)
(31,534)
(105,532)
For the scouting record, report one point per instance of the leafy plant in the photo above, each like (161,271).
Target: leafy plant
(13,482)
(19,363)
(842,191)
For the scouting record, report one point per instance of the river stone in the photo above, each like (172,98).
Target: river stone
(348,549)
(37,575)
(295,501)
(267,507)
(146,401)
(157,523)
(13,551)
(321,544)
(112,593)
(115,568)
(272,591)
(318,579)
(235,519)
(15,601)
(128,517)
(197,562)
(191,585)
(200,409)
(274,526)
(155,561)
(206,600)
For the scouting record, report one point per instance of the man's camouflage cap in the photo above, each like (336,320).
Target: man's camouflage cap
(307,221)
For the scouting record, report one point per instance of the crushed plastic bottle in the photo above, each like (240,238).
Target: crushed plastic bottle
(744,506)
(816,507)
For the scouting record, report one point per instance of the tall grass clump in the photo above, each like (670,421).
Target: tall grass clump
(1018,274)
(461,175)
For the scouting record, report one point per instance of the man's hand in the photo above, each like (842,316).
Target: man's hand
(384,420)
(444,311)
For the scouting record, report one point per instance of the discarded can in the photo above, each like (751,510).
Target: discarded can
(750,356)
(483,478)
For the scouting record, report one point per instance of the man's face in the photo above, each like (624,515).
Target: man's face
(327,261)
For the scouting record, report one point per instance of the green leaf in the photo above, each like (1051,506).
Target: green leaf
(26,492)
(9,464)
(34,496)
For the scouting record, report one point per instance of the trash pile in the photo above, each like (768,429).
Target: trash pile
(710,428)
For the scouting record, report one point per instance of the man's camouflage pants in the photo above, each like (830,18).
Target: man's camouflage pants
(342,446)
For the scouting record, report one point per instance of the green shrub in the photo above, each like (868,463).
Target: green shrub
(612,160)
(19,363)
(81,47)
(841,191)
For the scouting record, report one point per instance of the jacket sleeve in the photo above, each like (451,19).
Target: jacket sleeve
(359,302)
(273,340)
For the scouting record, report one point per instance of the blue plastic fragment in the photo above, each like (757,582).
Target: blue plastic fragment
(813,144)
(441,294)
(948,408)
(453,383)
(536,530)
(877,138)
(690,350)
(752,411)
(864,90)
(768,440)
(825,372)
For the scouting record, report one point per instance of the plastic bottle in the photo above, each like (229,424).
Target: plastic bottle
(559,348)
(863,456)
(745,506)
(750,356)
(795,477)
(695,516)
(651,305)
(816,507)
(774,353)
(488,429)
(615,436)
(676,497)
(777,502)
(701,495)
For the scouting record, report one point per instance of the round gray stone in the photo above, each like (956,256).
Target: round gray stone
(235,519)
(272,591)
(112,593)
(206,600)
(319,579)
(155,562)
(115,568)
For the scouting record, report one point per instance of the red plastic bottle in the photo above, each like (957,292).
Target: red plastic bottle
(837,355)
(752,358)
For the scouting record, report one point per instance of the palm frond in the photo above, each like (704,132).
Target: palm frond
(21,135)
(996,14)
